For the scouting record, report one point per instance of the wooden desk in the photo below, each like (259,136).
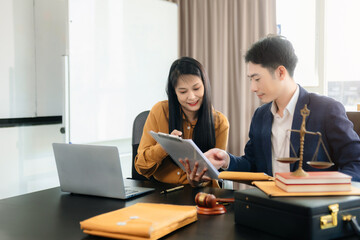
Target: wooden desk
(52,214)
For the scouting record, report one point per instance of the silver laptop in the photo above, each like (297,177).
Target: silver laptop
(92,170)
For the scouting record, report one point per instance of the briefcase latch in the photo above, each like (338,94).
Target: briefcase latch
(330,221)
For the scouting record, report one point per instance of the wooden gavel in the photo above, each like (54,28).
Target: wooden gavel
(209,200)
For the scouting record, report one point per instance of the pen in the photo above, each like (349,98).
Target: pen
(172,189)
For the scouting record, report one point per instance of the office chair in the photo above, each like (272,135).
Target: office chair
(354,117)
(137,131)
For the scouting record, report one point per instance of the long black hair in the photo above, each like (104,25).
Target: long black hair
(204,131)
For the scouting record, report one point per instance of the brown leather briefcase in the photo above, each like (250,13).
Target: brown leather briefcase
(298,217)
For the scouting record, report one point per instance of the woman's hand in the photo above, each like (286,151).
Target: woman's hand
(176,133)
(194,178)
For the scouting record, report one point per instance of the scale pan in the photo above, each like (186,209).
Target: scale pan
(320,165)
(288,160)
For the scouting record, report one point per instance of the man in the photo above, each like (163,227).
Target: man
(271,63)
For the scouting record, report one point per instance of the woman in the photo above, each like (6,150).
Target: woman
(187,113)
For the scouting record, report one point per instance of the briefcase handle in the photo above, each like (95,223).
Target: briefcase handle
(353,222)
(355,225)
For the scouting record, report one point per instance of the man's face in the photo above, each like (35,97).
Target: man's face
(265,84)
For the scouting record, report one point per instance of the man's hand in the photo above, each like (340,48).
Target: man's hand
(194,178)
(218,157)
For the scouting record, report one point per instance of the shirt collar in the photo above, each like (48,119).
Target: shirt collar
(291,105)
(192,123)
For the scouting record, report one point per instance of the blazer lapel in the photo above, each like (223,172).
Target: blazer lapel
(266,141)
(296,125)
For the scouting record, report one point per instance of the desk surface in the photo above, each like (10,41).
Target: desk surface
(52,214)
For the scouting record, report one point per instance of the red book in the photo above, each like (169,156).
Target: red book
(321,177)
(330,187)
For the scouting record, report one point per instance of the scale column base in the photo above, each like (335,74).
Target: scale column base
(300,173)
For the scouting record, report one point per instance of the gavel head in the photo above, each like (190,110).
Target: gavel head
(205,200)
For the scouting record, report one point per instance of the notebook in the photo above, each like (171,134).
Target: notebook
(92,170)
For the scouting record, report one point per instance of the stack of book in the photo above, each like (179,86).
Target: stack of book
(329,181)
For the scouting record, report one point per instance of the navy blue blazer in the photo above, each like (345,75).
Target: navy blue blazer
(327,116)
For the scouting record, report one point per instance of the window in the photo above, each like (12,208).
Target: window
(301,34)
(326,39)
(342,51)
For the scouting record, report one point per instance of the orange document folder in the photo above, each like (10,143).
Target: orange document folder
(273,191)
(245,177)
(140,221)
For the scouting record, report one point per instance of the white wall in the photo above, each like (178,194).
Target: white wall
(26,159)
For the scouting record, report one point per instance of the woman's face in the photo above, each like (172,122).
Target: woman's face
(190,92)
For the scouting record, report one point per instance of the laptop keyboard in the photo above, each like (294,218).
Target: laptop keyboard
(130,191)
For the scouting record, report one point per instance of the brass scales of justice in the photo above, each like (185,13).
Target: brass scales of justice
(314,163)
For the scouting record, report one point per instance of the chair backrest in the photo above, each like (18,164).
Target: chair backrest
(137,131)
(354,117)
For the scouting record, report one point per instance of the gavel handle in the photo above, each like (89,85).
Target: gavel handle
(227,200)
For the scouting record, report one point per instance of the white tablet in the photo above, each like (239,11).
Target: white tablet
(177,148)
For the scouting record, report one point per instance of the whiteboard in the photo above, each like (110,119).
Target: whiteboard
(17,59)
(50,43)
(33,41)
(120,53)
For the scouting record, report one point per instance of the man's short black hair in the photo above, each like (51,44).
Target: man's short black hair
(271,52)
